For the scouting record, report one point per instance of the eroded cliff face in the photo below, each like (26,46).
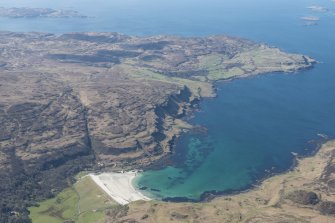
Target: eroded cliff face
(86,100)
(137,131)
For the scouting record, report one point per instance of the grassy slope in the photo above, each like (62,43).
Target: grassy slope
(84,202)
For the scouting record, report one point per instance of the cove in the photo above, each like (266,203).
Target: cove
(255,126)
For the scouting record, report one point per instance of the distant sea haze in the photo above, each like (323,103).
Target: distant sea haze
(255,125)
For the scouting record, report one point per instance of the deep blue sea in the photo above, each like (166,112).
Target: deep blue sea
(254,124)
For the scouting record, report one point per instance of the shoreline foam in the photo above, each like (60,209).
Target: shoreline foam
(119,186)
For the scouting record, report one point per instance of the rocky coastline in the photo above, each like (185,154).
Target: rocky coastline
(94,101)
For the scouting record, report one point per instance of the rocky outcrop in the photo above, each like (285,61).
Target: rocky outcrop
(327,208)
(304,197)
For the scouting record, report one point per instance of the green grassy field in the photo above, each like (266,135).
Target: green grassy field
(193,85)
(84,202)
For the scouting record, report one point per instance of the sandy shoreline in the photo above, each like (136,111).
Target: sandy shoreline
(119,186)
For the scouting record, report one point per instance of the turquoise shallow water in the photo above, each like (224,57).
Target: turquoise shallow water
(254,124)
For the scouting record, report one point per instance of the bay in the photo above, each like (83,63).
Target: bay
(254,124)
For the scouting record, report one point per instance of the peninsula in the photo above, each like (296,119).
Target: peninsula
(90,101)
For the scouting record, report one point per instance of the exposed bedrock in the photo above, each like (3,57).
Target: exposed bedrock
(140,134)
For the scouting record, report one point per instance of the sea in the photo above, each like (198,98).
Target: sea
(255,126)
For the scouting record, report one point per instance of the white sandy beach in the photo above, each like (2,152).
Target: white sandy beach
(119,186)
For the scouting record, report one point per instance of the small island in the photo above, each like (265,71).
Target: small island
(25,12)
(318,8)
(310,18)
